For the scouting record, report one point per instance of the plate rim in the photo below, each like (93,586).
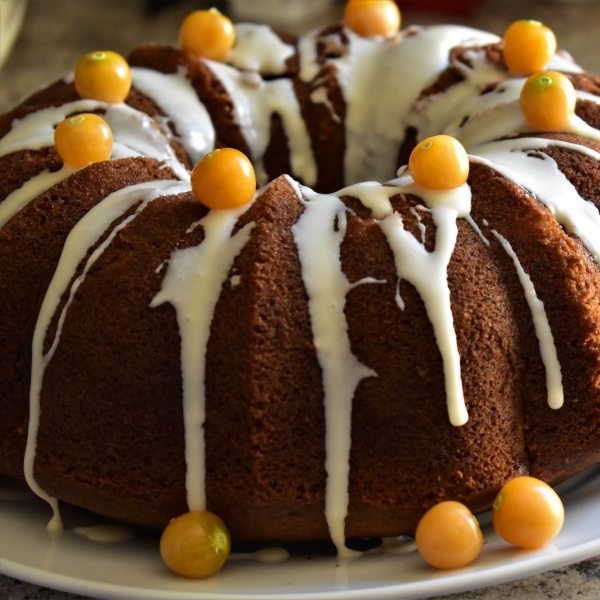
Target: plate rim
(442,583)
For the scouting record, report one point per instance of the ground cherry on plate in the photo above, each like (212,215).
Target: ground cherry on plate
(527,513)
(528,46)
(448,536)
(103,76)
(196,544)
(439,163)
(224,179)
(207,33)
(370,18)
(548,100)
(83,139)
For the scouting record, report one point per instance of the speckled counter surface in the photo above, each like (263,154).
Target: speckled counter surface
(57,32)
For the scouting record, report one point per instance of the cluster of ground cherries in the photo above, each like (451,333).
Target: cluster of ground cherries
(527,512)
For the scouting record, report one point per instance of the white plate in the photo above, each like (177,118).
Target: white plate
(133,569)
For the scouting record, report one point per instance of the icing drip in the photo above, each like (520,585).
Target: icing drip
(259,48)
(319,251)
(381,80)
(307,56)
(82,237)
(176,97)
(542,330)
(193,285)
(109,533)
(264,555)
(254,105)
(539,174)
(395,545)
(18,199)
(469,219)
(426,271)
(318,244)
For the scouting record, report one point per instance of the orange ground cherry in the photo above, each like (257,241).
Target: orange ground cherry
(103,76)
(83,139)
(528,513)
(224,179)
(196,544)
(528,46)
(370,18)
(448,536)
(207,33)
(439,163)
(548,100)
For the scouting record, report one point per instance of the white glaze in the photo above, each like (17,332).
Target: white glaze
(319,252)
(554,385)
(381,80)
(271,555)
(426,271)
(192,285)
(22,196)
(539,174)
(82,237)
(259,48)
(134,133)
(176,97)
(254,105)
(107,533)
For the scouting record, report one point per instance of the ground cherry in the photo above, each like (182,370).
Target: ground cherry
(528,513)
(83,140)
(370,18)
(103,76)
(195,544)
(528,46)
(448,536)
(224,179)
(439,163)
(207,33)
(548,100)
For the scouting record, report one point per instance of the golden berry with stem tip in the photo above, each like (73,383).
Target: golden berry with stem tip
(208,34)
(448,536)
(528,46)
(439,163)
(83,139)
(103,76)
(371,18)
(548,100)
(196,544)
(224,178)
(528,513)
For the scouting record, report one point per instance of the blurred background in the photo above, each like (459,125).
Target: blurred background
(55,33)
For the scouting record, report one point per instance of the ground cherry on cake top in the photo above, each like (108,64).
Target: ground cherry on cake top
(103,76)
(371,18)
(448,536)
(528,46)
(207,33)
(195,544)
(548,100)
(83,139)
(224,179)
(528,513)
(439,163)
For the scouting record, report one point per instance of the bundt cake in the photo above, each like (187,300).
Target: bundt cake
(316,363)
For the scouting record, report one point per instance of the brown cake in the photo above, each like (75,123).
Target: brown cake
(285,364)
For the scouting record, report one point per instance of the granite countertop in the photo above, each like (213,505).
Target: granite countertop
(56,33)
